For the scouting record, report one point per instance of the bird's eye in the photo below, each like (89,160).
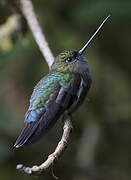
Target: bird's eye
(69,59)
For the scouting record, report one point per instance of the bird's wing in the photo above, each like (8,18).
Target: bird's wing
(40,120)
(84,86)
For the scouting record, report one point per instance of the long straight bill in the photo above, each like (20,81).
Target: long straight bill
(89,41)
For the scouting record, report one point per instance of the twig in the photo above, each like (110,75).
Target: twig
(27,9)
(52,157)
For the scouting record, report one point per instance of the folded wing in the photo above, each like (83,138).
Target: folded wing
(40,120)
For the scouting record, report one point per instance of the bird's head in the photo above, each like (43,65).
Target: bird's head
(69,62)
(73,61)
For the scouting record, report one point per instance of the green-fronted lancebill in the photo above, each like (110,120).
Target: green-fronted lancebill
(59,93)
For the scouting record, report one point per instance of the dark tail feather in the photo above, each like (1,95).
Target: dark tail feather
(46,122)
(26,134)
(35,130)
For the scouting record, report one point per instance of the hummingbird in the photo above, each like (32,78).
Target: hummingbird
(57,94)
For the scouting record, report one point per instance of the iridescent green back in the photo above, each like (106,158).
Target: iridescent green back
(47,88)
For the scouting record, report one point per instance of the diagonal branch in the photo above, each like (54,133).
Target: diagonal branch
(27,9)
(28,12)
(52,157)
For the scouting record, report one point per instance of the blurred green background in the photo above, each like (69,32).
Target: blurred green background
(100,146)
